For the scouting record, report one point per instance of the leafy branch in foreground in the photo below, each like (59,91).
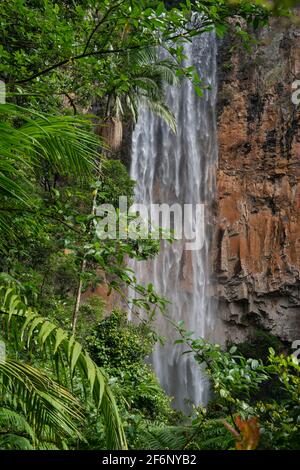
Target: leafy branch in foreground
(66,143)
(238,385)
(25,328)
(33,145)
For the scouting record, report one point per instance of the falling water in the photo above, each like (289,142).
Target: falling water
(179,168)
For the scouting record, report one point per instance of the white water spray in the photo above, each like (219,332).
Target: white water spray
(180,168)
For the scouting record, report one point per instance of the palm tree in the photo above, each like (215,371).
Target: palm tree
(41,407)
(142,76)
(45,404)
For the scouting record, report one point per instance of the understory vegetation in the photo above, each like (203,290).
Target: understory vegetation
(75,372)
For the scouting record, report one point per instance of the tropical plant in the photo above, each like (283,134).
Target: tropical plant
(63,48)
(33,140)
(33,149)
(205,433)
(121,347)
(60,57)
(25,328)
(237,382)
(140,80)
(35,410)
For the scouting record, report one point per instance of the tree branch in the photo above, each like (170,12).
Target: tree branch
(109,11)
(71,101)
(49,216)
(78,57)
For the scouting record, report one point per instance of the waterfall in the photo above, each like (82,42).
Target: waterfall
(179,168)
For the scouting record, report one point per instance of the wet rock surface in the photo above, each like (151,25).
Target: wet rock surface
(256,246)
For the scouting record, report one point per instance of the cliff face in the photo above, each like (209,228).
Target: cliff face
(257,231)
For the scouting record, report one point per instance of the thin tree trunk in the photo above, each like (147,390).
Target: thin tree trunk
(112,144)
(82,271)
(78,296)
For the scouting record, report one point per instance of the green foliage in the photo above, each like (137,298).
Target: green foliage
(91,313)
(60,58)
(82,50)
(234,378)
(121,347)
(14,424)
(258,344)
(43,145)
(139,78)
(237,382)
(208,434)
(38,406)
(117,342)
(280,417)
(27,328)
(257,347)
(115,182)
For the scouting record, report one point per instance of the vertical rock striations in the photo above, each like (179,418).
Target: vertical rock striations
(257,238)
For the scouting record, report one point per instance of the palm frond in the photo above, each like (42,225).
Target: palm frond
(163,71)
(147,62)
(160,110)
(64,143)
(15,442)
(12,421)
(167,438)
(66,351)
(33,145)
(209,435)
(45,404)
(149,75)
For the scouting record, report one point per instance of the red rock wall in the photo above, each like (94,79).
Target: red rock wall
(257,235)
